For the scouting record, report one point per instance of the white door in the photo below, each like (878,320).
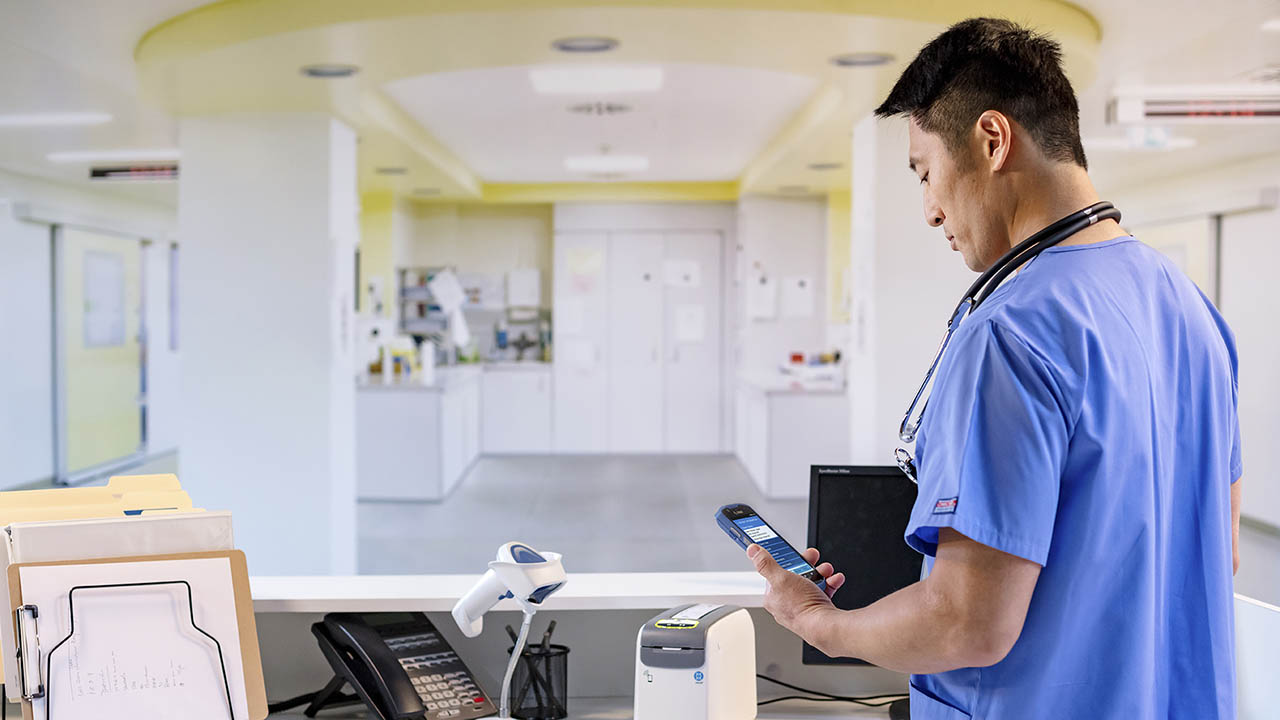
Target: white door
(691,274)
(635,342)
(580,326)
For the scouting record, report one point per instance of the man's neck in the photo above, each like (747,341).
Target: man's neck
(1059,191)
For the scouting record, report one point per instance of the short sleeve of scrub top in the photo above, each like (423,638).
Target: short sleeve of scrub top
(992,446)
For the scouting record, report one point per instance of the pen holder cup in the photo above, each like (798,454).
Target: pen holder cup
(540,684)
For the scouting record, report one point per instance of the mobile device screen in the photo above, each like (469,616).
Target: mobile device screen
(761,534)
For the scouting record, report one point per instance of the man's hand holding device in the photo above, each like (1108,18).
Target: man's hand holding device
(797,604)
(798,594)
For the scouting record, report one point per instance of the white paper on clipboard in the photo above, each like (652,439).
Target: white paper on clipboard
(134,652)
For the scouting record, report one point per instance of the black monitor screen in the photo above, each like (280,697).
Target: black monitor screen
(857,516)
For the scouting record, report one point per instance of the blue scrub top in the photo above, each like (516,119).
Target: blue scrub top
(1084,418)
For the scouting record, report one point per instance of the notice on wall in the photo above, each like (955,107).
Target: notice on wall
(682,273)
(690,323)
(762,297)
(586,268)
(798,297)
(104,321)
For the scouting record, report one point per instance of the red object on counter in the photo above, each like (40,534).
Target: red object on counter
(797,358)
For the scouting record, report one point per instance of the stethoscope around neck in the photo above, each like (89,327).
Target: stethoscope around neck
(980,290)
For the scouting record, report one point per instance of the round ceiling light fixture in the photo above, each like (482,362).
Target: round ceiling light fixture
(392,170)
(825,166)
(329,70)
(794,189)
(585,44)
(862,59)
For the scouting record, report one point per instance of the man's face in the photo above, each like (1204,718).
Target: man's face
(957,198)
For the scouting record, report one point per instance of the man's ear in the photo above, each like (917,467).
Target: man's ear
(995,137)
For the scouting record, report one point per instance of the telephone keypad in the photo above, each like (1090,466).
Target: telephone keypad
(438,675)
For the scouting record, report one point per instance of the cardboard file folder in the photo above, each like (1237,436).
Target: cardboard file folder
(163,665)
(97,538)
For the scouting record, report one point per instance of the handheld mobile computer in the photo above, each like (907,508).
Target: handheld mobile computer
(745,526)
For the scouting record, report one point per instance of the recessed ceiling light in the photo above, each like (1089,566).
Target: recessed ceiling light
(599,108)
(606,163)
(825,166)
(862,59)
(792,189)
(54,119)
(391,170)
(585,44)
(118,155)
(329,70)
(426,191)
(595,79)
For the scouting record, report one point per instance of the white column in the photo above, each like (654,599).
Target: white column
(267,215)
(906,280)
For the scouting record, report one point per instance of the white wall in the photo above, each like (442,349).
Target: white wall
(1250,240)
(268,213)
(782,237)
(164,381)
(482,238)
(26,367)
(906,281)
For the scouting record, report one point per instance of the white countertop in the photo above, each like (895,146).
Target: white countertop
(445,378)
(438,593)
(780,384)
(522,366)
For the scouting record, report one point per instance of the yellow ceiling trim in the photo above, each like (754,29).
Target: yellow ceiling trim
(377,201)
(391,118)
(228,22)
(533,193)
(815,112)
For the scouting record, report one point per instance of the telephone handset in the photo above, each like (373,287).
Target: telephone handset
(399,665)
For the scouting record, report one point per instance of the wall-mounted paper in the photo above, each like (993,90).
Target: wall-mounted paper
(797,296)
(586,268)
(691,323)
(524,288)
(458,328)
(682,273)
(762,297)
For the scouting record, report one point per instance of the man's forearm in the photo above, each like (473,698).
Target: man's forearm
(913,630)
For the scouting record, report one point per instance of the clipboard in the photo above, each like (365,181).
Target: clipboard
(250,655)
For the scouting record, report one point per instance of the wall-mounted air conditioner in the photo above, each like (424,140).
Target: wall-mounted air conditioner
(1244,104)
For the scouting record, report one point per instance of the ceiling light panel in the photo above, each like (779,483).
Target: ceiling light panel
(606,163)
(124,155)
(20,120)
(585,44)
(596,79)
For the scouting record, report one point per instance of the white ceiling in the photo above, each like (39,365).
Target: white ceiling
(706,123)
(70,55)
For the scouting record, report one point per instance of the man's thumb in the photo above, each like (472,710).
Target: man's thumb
(764,562)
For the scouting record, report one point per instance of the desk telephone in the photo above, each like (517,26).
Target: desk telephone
(399,665)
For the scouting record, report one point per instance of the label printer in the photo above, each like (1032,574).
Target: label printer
(697,662)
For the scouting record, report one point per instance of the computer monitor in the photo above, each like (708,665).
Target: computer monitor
(857,517)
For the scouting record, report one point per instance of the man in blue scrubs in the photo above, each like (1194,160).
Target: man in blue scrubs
(1079,461)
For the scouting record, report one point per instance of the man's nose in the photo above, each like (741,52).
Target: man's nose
(933,214)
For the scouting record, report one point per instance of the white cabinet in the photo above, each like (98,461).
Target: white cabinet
(782,430)
(516,410)
(416,442)
(580,322)
(638,342)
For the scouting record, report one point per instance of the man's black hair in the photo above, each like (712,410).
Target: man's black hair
(989,64)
